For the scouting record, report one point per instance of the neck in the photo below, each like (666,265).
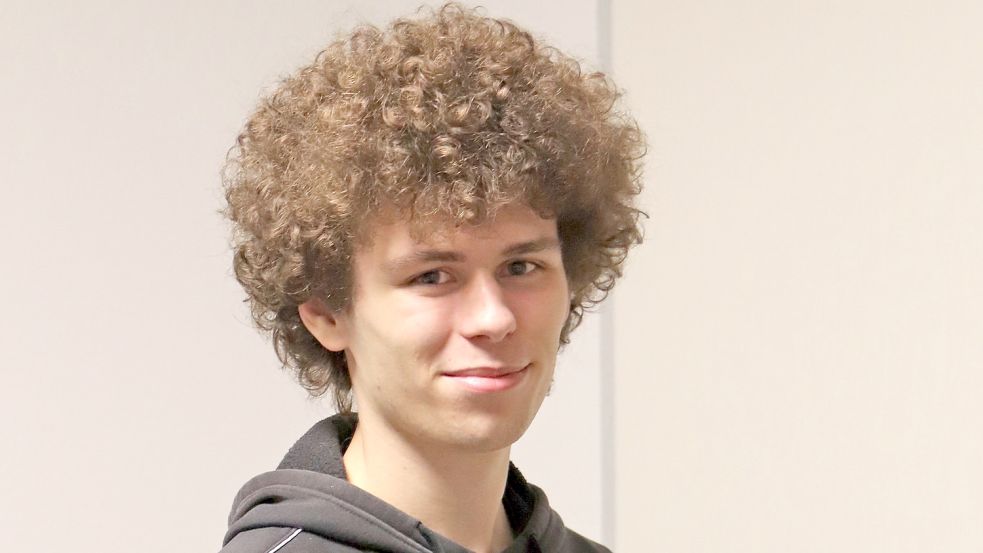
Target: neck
(458,494)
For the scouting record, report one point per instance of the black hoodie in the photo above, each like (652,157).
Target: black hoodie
(307,505)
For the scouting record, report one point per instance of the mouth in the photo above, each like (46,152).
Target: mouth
(488,379)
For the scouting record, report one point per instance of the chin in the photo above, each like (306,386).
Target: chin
(484,444)
(482,433)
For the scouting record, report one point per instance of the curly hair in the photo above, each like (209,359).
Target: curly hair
(447,117)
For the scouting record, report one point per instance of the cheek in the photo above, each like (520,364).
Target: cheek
(415,327)
(543,313)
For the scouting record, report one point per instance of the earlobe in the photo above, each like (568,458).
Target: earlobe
(326,326)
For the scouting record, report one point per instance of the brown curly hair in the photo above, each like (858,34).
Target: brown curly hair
(446,118)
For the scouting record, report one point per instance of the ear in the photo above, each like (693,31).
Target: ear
(328,327)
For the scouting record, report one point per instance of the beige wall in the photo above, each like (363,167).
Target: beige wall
(799,343)
(135,398)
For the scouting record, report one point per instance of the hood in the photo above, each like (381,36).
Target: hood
(309,490)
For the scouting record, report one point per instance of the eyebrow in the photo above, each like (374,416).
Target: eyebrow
(532,246)
(424,256)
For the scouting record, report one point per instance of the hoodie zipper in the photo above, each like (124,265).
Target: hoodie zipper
(285,541)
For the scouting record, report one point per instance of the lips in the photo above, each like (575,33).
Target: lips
(484,380)
(486,372)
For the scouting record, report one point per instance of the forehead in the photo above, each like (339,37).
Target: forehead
(391,235)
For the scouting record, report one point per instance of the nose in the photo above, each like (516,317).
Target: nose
(484,311)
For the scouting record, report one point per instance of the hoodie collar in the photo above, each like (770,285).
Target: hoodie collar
(311,480)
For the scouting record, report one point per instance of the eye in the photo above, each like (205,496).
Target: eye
(431,278)
(519,268)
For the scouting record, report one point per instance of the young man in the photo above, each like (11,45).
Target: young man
(421,216)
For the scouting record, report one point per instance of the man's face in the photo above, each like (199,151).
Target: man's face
(492,299)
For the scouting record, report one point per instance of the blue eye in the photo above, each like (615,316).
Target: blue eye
(430,278)
(518,268)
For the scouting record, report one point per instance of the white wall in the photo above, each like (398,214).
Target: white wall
(135,397)
(799,343)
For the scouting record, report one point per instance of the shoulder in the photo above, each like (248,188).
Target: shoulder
(546,527)
(575,543)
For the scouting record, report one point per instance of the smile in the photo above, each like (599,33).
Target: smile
(490,383)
